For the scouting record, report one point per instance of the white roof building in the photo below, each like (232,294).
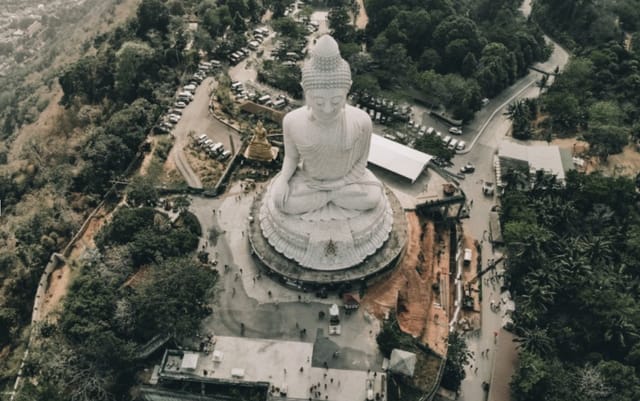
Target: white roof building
(538,157)
(398,158)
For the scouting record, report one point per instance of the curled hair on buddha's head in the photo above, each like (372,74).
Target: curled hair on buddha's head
(326,69)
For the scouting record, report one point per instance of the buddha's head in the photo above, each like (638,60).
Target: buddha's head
(326,80)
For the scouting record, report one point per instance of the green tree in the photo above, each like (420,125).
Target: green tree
(132,61)
(142,192)
(339,22)
(180,288)
(606,140)
(126,222)
(152,14)
(458,355)
(536,341)
(605,113)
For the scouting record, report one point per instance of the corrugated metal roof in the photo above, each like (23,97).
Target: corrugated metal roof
(397,157)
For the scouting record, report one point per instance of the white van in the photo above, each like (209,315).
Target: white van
(446,139)
(453,144)
(264,99)
(216,148)
(236,86)
(279,104)
(261,31)
(467,256)
(430,130)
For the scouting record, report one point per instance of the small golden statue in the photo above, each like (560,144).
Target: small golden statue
(259,148)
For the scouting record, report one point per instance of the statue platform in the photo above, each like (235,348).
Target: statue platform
(293,274)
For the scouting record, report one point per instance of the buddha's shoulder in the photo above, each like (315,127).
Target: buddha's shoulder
(359,116)
(296,117)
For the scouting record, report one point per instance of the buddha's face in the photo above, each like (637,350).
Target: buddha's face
(326,104)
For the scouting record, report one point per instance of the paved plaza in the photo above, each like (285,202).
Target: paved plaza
(245,297)
(287,365)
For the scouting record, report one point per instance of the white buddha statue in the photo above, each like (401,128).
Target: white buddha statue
(325,209)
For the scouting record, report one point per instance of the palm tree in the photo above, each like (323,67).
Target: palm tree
(620,330)
(516,109)
(516,179)
(535,340)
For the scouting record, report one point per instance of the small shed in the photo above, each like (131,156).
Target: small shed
(189,361)
(350,300)
(402,362)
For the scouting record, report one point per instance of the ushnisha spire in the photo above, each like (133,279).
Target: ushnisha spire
(326,69)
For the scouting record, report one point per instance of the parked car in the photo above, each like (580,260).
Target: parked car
(174,118)
(488,188)
(161,129)
(236,86)
(439,161)
(224,155)
(461,145)
(455,130)
(468,168)
(180,105)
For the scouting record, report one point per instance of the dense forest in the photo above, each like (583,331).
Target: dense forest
(597,96)
(573,269)
(449,53)
(573,251)
(111,97)
(109,314)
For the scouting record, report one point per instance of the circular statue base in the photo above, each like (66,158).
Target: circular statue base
(294,275)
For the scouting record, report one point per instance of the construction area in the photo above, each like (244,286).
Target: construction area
(419,288)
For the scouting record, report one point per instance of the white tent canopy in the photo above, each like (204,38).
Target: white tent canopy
(402,362)
(396,157)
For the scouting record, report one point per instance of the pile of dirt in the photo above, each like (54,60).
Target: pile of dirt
(409,289)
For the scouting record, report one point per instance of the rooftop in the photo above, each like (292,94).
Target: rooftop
(539,157)
(283,364)
(397,157)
